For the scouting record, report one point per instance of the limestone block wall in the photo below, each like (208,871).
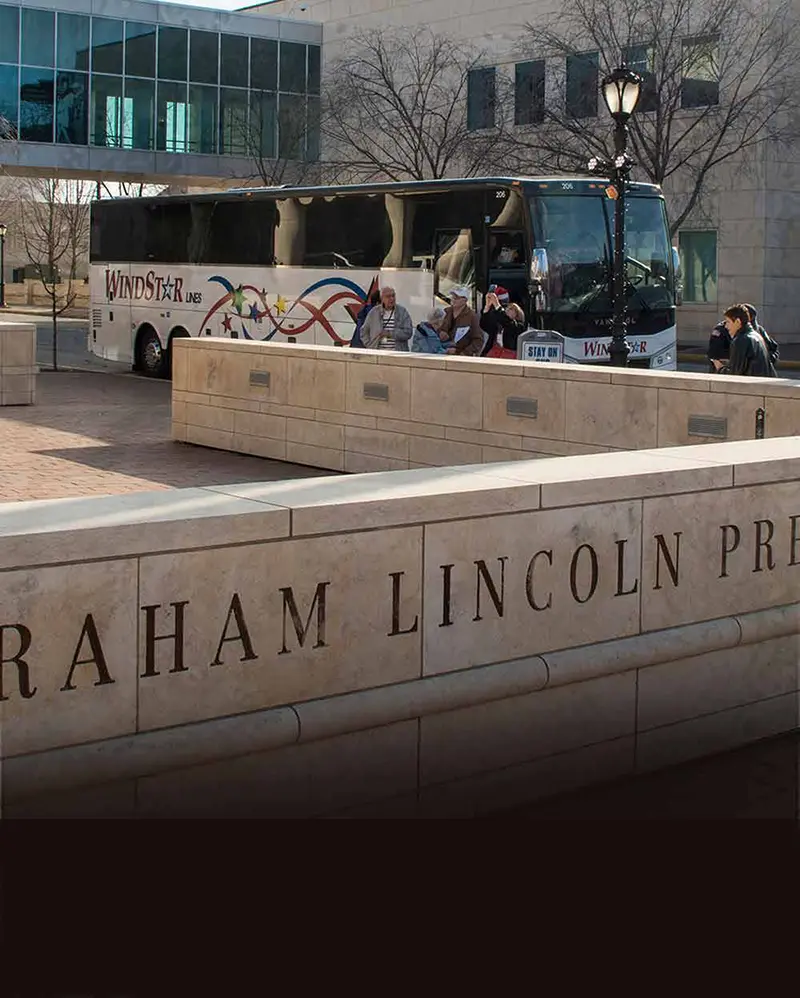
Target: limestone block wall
(18,367)
(427,642)
(365,410)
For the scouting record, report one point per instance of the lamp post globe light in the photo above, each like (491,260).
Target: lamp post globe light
(621,90)
(3,231)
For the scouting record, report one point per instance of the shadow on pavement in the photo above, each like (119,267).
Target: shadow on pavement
(180,465)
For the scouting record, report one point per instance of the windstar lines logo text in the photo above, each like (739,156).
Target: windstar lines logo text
(594,348)
(151,287)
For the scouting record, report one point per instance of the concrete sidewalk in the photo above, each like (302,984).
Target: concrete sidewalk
(43,312)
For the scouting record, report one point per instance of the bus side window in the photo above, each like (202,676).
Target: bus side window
(243,232)
(168,232)
(199,240)
(113,232)
(351,231)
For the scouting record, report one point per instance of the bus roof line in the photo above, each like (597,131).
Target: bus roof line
(386,187)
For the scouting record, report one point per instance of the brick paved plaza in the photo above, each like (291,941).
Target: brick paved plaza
(101,434)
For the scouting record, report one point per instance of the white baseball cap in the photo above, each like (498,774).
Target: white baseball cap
(460,293)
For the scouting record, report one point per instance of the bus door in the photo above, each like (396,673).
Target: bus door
(507,264)
(454,263)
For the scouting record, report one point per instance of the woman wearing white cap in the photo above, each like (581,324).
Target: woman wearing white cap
(462,325)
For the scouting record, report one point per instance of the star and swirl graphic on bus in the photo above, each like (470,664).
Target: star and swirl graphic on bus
(245,307)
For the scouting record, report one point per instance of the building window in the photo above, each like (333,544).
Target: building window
(171,117)
(312,130)
(107,45)
(233,61)
(529,93)
(140,49)
(203,56)
(77,79)
(700,85)
(172,53)
(263,123)
(582,85)
(293,68)
(234,137)
(291,126)
(72,108)
(38,37)
(107,111)
(314,71)
(9,99)
(36,100)
(9,34)
(480,98)
(640,58)
(202,135)
(698,251)
(72,48)
(138,117)
(263,64)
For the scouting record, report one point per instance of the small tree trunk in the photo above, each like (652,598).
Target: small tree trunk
(55,332)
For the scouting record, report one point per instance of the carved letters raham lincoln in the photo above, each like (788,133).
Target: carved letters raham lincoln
(761,546)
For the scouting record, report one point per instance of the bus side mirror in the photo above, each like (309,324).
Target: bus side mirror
(540,267)
(676,266)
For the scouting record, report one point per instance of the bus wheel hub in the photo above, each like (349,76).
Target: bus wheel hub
(152,353)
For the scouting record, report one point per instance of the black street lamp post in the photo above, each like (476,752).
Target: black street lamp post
(621,90)
(3,231)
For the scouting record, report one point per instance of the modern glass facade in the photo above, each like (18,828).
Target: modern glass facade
(80,79)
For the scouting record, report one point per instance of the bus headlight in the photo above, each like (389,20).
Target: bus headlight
(664,360)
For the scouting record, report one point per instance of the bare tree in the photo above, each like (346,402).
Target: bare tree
(126,189)
(282,146)
(396,108)
(55,235)
(721,79)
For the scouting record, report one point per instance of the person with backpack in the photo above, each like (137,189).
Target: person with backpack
(361,318)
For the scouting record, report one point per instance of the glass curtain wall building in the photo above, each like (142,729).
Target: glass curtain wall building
(80,79)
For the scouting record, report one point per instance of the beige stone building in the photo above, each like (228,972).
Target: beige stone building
(742,245)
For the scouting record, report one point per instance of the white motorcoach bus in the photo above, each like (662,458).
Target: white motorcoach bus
(296,264)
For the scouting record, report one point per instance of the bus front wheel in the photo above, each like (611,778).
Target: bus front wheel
(152,358)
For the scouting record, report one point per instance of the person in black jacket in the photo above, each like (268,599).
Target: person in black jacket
(719,348)
(748,352)
(772,347)
(501,315)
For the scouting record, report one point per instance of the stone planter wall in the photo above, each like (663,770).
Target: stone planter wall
(18,367)
(359,411)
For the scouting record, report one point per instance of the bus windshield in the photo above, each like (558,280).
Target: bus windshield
(573,237)
(647,251)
